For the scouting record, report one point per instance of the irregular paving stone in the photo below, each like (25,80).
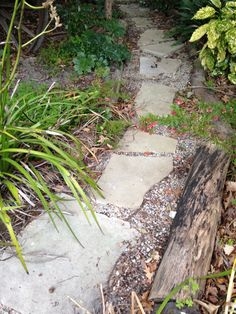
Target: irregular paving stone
(142,22)
(150,36)
(133,10)
(127,178)
(138,141)
(151,67)
(154,41)
(161,50)
(59,267)
(154,98)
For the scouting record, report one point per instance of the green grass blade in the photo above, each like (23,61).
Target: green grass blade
(53,199)
(13,190)
(34,186)
(86,200)
(7,222)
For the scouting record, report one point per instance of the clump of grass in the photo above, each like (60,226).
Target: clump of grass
(203,121)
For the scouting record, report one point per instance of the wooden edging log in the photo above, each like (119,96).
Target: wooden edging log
(194,228)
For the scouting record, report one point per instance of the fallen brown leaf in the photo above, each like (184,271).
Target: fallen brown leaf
(149,274)
(211,308)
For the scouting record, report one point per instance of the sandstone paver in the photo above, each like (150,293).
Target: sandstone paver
(138,141)
(154,41)
(154,98)
(160,50)
(151,67)
(59,266)
(142,22)
(134,10)
(127,178)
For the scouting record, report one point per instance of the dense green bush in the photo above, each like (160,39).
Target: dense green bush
(218,36)
(92,42)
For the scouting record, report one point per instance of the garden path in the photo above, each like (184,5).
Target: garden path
(64,276)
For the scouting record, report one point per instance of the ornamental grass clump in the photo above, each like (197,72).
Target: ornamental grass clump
(25,144)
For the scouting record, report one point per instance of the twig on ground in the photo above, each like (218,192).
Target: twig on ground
(134,298)
(78,305)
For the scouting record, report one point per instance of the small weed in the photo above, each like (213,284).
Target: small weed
(210,83)
(230,242)
(191,288)
(148,122)
(113,130)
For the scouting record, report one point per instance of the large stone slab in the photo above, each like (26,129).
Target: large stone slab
(138,141)
(154,98)
(151,67)
(154,41)
(133,10)
(60,268)
(142,22)
(126,179)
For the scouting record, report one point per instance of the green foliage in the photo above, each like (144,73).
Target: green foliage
(93,42)
(184,25)
(148,122)
(218,53)
(191,288)
(199,122)
(51,109)
(93,50)
(78,18)
(192,282)
(112,130)
(184,302)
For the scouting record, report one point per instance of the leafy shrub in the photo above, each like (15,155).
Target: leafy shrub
(78,18)
(218,54)
(93,41)
(184,23)
(93,50)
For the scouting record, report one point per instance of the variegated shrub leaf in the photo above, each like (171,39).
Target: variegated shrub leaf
(230,4)
(207,59)
(212,34)
(204,13)
(230,37)
(232,78)
(199,32)
(221,55)
(216,3)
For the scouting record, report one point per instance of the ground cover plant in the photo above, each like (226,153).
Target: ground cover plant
(92,41)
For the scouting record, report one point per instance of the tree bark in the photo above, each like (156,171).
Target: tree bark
(108,9)
(194,228)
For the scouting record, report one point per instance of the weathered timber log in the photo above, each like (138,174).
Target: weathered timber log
(194,228)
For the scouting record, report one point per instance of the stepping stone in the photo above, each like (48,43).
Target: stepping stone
(59,267)
(140,142)
(154,98)
(134,10)
(151,67)
(153,41)
(142,22)
(126,179)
